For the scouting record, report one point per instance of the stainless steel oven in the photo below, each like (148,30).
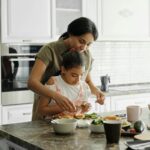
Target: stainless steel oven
(16,64)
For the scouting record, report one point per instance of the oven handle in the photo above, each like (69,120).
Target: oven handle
(22,59)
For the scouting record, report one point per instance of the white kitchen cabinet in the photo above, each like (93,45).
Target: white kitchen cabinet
(124,20)
(121,102)
(65,11)
(16,113)
(25,21)
(91,10)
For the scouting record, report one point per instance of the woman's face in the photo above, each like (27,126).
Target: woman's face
(72,76)
(80,43)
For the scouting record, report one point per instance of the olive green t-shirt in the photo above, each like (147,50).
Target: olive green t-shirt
(51,55)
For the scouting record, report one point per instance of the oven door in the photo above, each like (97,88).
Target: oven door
(15,73)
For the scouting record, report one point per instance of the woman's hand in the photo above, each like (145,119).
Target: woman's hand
(63,102)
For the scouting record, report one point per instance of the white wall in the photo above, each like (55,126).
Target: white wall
(125,62)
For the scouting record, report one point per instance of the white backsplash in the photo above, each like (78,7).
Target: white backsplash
(124,62)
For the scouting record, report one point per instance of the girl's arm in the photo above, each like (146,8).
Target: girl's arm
(44,109)
(94,90)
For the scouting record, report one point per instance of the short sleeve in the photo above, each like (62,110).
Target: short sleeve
(45,54)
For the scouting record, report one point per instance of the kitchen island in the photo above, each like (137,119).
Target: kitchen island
(38,135)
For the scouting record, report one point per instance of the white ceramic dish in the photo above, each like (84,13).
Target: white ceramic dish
(83,123)
(97,128)
(64,126)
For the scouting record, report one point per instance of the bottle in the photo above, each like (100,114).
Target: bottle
(105,80)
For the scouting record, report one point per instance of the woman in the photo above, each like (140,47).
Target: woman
(79,36)
(69,84)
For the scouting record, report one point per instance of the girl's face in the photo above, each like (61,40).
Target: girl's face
(80,43)
(73,75)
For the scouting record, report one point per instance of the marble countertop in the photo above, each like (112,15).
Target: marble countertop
(38,135)
(128,89)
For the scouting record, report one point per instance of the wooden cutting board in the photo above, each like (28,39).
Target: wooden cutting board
(143,136)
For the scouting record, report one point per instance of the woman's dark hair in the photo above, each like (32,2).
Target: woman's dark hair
(81,26)
(72,59)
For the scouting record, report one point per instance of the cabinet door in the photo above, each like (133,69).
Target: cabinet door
(91,10)
(16,114)
(0,114)
(124,19)
(121,102)
(64,12)
(26,20)
(96,107)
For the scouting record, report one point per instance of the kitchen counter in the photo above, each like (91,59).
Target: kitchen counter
(37,135)
(128,89)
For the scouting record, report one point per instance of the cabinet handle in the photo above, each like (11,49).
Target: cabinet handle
(27,113)
(138,103)
(26,40)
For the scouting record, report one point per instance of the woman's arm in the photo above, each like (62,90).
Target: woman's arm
(94,90)
(34,83)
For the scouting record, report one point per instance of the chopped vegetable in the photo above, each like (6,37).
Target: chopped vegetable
(91,116)
(97,121)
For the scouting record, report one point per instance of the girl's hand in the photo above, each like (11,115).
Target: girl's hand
(82,106)
(63,102)
(99,95)
(85,107)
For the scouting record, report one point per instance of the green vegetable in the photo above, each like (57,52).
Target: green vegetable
(97,121)
(91,116)
(139,126)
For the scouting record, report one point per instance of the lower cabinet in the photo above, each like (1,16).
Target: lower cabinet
(0,114)
(121,102)
(16,113)
(96,107)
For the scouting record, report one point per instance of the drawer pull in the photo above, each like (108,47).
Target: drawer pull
(26,114)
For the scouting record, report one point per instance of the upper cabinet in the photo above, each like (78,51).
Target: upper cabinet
(38,20)
(65,11)
(44,20)
(25,20)
(124,20)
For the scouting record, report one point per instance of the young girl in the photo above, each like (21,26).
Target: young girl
(68,84)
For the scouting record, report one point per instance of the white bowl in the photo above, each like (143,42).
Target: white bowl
(64,126)
(97,128)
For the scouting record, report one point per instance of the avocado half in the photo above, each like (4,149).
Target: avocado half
(139,126)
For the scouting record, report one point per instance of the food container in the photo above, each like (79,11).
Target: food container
(64,126)
(97,128)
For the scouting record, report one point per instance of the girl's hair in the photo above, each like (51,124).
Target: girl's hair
(72,59)
(81,26)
